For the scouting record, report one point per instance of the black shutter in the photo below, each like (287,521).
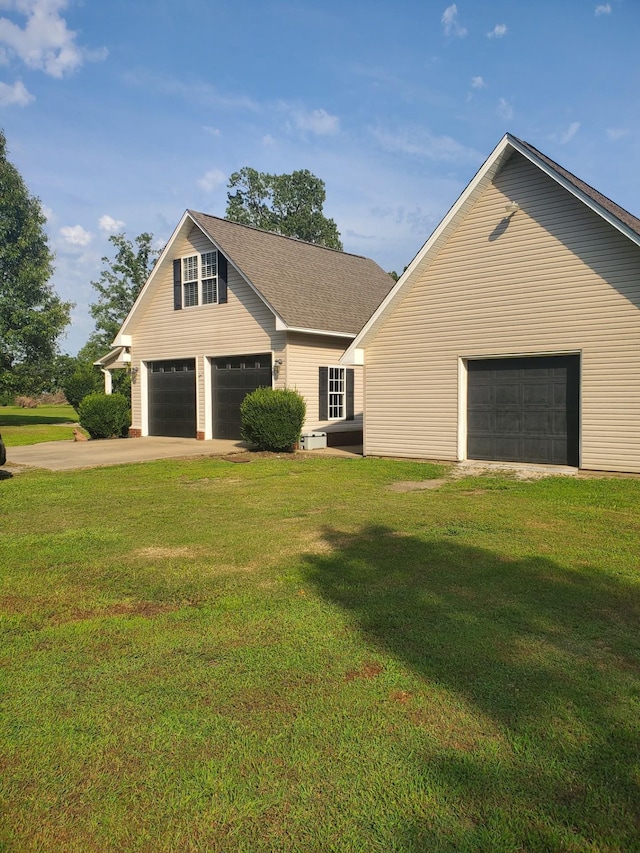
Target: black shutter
(323,400)
(349,375)
(177,284)
(222,278)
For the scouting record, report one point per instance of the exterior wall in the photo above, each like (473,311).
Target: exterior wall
(554,278)
(242,325)
(304,355)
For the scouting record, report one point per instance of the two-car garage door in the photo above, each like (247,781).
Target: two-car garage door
(524,409)
(172,393)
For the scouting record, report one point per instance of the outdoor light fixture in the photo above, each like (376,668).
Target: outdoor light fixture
(134,373)
(512,207)
(277,364)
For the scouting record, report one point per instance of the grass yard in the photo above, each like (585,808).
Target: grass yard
(20,427)
(289,655)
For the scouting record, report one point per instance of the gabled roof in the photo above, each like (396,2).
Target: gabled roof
(307,287)
(615,215)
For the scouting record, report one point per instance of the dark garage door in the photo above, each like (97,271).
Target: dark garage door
(233,377)
(524,409)
(172,398)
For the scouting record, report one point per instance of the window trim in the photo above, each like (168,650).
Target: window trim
(346,393)
(199,280)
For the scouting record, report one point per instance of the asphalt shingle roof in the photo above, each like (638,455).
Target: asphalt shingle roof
(611,207)
(308,286)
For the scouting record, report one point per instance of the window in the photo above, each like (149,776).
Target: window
(200,279)
(336,394)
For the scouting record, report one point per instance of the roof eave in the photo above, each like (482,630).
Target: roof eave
(281,326)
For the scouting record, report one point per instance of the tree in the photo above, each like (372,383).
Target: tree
(32,316)
(118,287)
(287,204)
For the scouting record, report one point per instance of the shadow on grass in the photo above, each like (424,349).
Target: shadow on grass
(32,420)
(545,659)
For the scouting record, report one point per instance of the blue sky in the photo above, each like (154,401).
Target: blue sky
(120,114)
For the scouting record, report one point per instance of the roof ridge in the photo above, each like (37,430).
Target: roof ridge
(276,234)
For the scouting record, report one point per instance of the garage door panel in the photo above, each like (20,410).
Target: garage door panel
(506,422)
(536,394)
(172,398)
(481,395)
(233,377)
(507,394)
(524,409)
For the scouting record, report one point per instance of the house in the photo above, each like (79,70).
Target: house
(228,308)
(514,334)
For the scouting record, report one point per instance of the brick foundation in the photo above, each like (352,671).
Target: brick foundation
(200,436)
(135,433)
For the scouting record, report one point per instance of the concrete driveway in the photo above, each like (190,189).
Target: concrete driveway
(67,455)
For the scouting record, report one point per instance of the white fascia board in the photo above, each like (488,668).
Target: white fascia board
(281,326)
(122,334)
(575,191)
(354,355)
(119,354)
(483,176)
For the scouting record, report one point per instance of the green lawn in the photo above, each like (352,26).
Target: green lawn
(288,655)
(20,427)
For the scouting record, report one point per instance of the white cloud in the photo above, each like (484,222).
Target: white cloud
(616,133)
(75,235)
(569,133)
(478,83)
(319,122)
(422,143)
(212,180)
(505,110)
(498,31)
(214,131)
(45,43)
(109,224)
(604,9)
(16,94)
(268,141)
(450,23)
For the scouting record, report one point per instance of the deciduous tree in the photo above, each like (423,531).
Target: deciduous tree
(118,287)
(289,204)
(32,316)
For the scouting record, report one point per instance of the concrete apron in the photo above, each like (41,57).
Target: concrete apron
(67,455)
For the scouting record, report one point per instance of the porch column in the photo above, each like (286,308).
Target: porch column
(108,384)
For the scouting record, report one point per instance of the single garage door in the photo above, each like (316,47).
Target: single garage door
(172,397)
(524,409)
(233,377)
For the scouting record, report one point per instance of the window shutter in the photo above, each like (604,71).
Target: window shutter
(323,400)
(177,284)
(222,278)
(349,375)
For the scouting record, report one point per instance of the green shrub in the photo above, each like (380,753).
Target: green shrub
(105,415)
(272,419)
(84,380)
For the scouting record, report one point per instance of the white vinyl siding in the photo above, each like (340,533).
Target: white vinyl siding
(555,279)
(304,355)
